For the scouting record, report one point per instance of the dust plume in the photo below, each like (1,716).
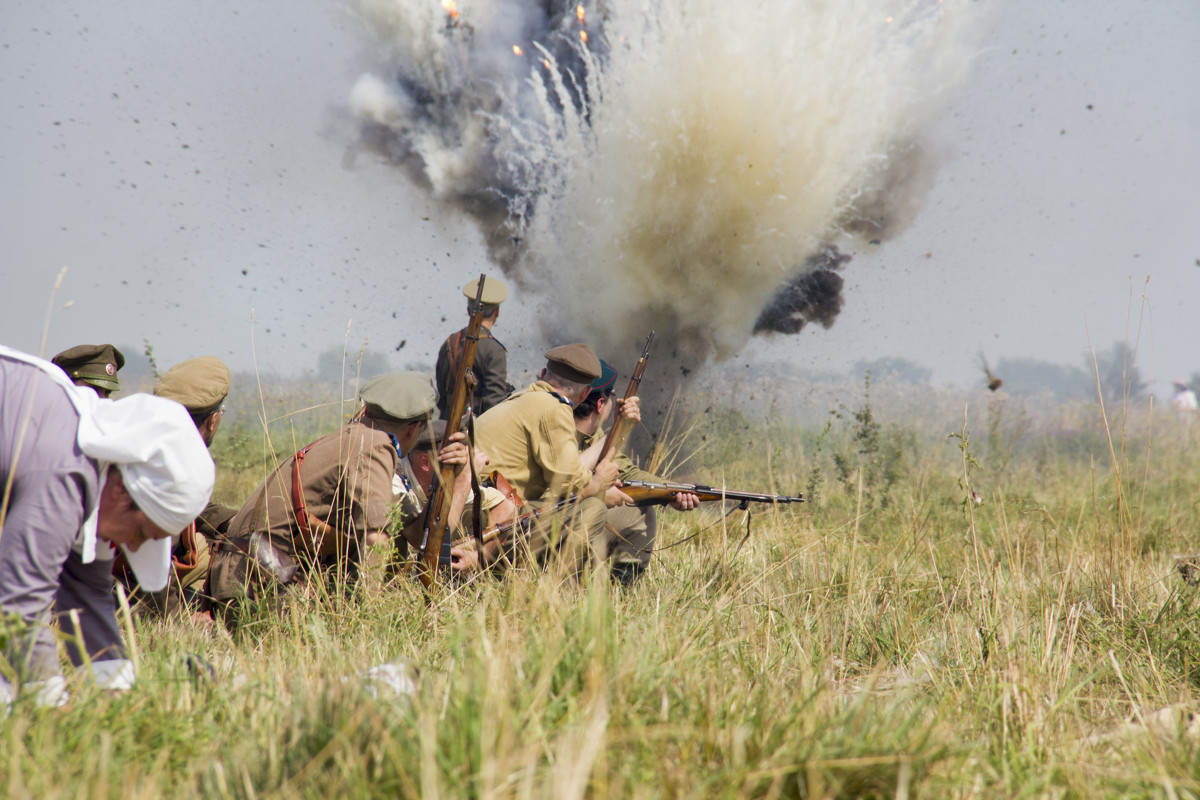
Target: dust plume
(676,166)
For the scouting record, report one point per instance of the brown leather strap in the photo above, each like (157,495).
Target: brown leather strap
(190,557)
(507,489)
(307,522)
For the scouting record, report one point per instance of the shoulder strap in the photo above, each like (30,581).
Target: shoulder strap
(307,522)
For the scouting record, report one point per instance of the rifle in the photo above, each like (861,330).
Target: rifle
(523,522)
(646,493)
(620,427)
(438,509)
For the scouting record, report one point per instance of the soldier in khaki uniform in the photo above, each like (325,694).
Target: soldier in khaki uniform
(631,531)
(530,439)
(491,359)
(92,365)
(323,506)
(201,385)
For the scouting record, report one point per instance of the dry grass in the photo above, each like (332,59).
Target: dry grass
(890,639)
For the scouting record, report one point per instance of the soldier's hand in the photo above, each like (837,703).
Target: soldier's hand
(685,501)
(464,560)
(456,451)
(630,409)
(615,497)
(606,473)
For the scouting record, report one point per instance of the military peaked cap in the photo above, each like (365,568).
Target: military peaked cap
(575,362)
(399,396)
(431,437)
(94,364)
(494,292)
(199,384)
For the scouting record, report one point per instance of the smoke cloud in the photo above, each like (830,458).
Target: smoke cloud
(675,166)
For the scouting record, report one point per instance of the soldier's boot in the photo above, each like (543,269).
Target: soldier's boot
(627,573)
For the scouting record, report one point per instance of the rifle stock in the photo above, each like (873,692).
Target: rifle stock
(523,522)
(437,512)
(620,427)
(647,493)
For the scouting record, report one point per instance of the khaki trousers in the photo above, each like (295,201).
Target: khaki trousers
(630,533)
(563,543)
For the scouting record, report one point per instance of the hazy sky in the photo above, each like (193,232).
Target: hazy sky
(189,164)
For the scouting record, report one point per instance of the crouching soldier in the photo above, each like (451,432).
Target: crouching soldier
(201,386)
(530,438)
(319,510)
(630,532)
(83,476)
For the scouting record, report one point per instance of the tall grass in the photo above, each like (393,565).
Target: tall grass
(1008,623)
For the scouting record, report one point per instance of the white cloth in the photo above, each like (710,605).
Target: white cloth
(162,459)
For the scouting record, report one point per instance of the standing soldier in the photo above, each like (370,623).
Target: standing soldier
(491,359)
(92,365)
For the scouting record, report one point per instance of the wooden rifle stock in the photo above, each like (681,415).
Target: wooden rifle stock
(438,509)
(524,522)
(620,427)
(646,493)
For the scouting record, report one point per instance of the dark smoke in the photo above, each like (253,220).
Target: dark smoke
(485,84)
(815,295)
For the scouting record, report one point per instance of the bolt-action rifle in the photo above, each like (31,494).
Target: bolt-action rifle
(621,425)
(433,536)
(647,493)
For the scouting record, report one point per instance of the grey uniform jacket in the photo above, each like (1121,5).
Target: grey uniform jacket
(491,371)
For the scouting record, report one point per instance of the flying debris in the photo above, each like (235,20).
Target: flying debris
(993,383)
(815,295)
(657,143)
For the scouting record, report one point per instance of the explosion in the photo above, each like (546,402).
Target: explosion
(681,167)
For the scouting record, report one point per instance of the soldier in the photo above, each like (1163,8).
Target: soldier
(324,505)
(530,439)
(491,358)
(87,475)
(201,385)
(631,531)
(92,365)
(416,481)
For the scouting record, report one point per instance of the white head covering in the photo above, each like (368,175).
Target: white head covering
(164,465)
(163,461)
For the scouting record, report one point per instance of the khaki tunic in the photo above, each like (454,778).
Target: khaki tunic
(347,480)
(530,439)
(490,370)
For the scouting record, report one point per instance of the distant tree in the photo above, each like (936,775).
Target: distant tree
(334,362)
(137,363)
(1030,376)
(1120,379)
(892,368)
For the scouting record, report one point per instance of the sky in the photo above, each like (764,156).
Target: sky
(191,166)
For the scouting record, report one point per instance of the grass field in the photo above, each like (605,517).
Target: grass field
(979,601)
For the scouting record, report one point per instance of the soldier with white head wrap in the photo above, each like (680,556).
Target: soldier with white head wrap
(82,476)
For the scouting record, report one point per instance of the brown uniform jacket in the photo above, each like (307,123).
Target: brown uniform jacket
(491,371)
(530,438)
(346,479)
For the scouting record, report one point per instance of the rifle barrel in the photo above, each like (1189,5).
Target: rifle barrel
(649,493)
